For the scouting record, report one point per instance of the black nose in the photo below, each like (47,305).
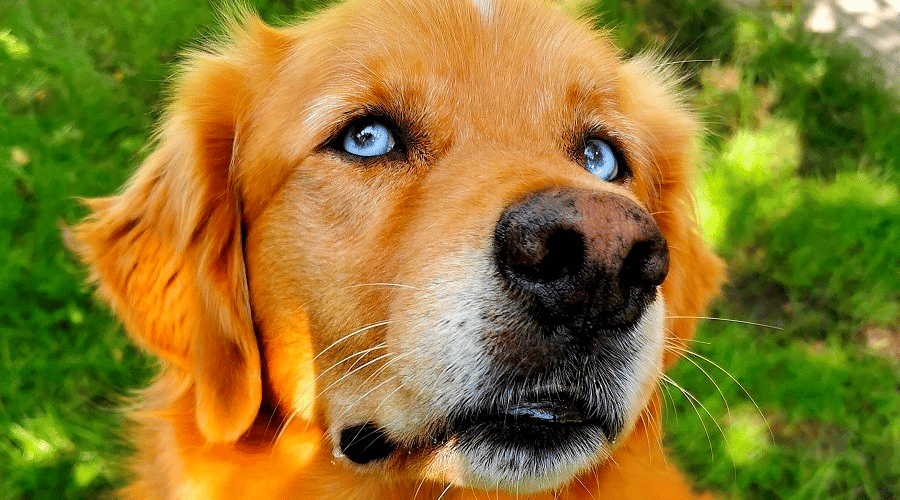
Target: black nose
(579,258)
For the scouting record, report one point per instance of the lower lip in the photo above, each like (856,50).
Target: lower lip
(532,432)
(549,413)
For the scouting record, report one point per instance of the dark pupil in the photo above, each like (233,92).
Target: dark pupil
(592,152)
(365,137)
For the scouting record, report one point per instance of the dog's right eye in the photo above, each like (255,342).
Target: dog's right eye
(600,159)
(368,139)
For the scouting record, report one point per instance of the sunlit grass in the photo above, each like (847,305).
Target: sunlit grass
(830,408)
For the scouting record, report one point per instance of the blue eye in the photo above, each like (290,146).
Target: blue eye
(368,139)
(600,160)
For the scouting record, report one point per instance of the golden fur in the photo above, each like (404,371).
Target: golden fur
(243,253)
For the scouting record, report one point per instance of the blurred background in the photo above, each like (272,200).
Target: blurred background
(792,391)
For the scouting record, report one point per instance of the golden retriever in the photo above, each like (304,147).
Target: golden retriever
(408,250)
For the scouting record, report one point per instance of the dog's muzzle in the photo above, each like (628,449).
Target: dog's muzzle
(564,348)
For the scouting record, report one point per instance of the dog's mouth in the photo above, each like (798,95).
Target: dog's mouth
(524,424)
(523,437)
(543,423)
(534,435)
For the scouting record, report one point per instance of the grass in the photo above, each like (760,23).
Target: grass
(799,193)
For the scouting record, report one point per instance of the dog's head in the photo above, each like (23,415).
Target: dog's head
(457,236)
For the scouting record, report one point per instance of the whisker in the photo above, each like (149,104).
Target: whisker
(385,399)
(419,487)
(384,366)
(683,352)
(682,62)
(370,391)
(657,422)
(677,248)
(693,399)
(397,285)
(648,421)
(612,460)
(373,389)
(736,381)
(597,481)
(319,394)
(588,490)
(693,341)
(668,398)
(351,334)
(286,422)
(445,491)
(429,471)
(351,372)
(729,320)
(358,355)
(295,411)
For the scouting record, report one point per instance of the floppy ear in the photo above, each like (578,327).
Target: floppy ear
(695,272)
(167,252)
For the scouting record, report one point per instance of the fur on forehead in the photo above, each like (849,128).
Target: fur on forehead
(485,7)
(360,52)
(423,58)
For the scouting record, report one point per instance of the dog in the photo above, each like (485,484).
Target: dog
(408,250)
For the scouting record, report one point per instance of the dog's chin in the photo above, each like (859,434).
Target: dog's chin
(531,447)
(535,444)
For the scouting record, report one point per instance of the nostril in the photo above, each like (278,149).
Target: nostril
(554,256)
(647,262)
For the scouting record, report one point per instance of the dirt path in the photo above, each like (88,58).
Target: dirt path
(871,25)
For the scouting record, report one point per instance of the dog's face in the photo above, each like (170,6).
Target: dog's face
(467,231)
(463,225)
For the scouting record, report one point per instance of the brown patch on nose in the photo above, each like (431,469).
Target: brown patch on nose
(582,258)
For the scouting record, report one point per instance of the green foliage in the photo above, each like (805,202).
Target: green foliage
(825,425)
(800,192)
(71,126)
(694,33)
(843,111)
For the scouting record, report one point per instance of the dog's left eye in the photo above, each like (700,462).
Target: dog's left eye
(368,139)
(600,159)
